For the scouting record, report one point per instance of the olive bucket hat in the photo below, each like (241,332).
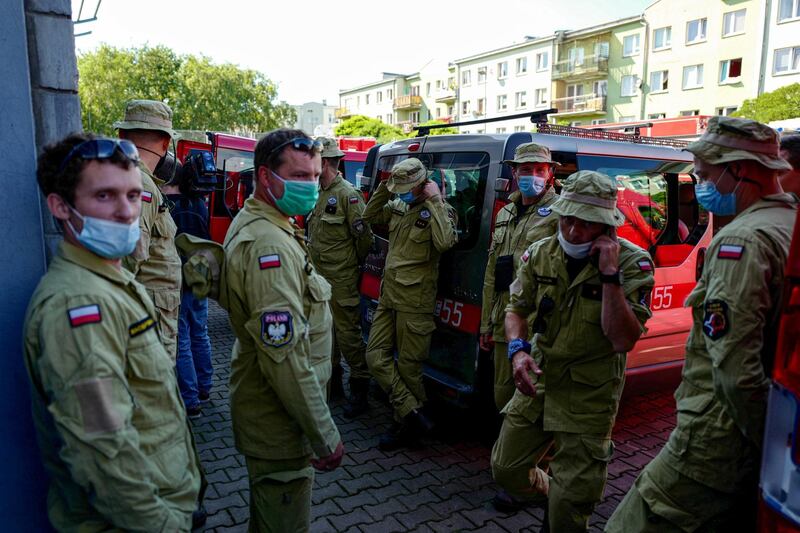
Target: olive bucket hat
(202,266)
(330,148)
(531,153)
(147,115)
(406,175)
(590,196)
(732,139)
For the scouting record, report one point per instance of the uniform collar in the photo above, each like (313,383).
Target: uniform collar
(264,210)
(86,259)
(515,199)
(786,198)
(336,181)
(159,182)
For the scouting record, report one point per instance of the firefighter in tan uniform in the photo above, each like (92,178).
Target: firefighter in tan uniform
(705,478)
(421,228)
(155,262)
(110,421)
(278,307)
(587,294)
(526,219)
(339,241)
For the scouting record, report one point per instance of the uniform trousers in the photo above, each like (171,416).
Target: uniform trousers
(503,377)
(348,340)
(280,494)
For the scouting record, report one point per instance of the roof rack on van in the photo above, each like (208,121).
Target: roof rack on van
(571,131)
(537,117)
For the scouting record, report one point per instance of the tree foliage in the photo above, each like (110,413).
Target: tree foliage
(439,131)
(202,95)
(779,104)
(361,126)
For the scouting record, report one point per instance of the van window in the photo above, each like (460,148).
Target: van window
(234,162)
(352,171)
(461,177)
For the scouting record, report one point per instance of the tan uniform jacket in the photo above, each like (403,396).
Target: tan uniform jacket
(278,307)
(512,236)
(109,417)
(580,389)
(418,235)
(721,400)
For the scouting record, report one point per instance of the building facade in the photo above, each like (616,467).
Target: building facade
(316,118)
(781,55)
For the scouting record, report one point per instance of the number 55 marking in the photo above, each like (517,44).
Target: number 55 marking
(662,297)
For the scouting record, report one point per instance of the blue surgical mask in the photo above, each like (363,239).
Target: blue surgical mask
(299,197)
(576,251)
(106,238)
(531,186)
(714,201)
(407,197)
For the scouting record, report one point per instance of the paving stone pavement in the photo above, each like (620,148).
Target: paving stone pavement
(444,485)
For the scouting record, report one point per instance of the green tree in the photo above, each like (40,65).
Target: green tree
(202,95)
(361,126)
(439,131)
(779,104)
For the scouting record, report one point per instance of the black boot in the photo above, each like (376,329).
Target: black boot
(414,426)
(358,403)
(335,387)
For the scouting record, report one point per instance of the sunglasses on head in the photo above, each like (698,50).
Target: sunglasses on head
(100,149)
(304,144)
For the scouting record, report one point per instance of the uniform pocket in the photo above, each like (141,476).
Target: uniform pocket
(417,343)
(318,288)
(419,247)
(599,448)
(690,411)
(150,374)
(594,385)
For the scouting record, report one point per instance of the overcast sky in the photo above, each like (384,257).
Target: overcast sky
(313,48)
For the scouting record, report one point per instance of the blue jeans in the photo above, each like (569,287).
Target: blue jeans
(194,349)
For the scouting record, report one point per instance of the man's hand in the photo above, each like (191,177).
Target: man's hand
(486,342)
(431,190)
(607,248)
(330,462)
(522,365)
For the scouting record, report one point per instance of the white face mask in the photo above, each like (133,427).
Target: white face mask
(576,251)
(106,238)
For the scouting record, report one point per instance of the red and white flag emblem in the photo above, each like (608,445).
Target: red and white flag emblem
(147,196)
(730,251)
(88,314)
(645,265)
(269,261)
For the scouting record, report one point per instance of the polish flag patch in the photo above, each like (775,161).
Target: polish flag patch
(525,256)
(645,265)
(353,200)
(269,261)
(87,314)
(730,251)
(147,197)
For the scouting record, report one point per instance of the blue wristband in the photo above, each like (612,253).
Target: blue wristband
(517,345)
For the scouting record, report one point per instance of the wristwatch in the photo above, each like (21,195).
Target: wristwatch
(517,345)
(615,278)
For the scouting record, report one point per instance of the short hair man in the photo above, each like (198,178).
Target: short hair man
(339,241)
(587,292)
(790,151)
(706,476)
(526,219)
(421,228)
(110,422)
(155,262)
(278,307)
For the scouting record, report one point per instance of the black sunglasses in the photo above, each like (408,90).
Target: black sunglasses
(101,149)
(303,144)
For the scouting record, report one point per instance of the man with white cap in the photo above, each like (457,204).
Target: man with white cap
(705,477)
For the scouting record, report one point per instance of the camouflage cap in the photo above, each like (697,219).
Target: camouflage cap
(147,115)
(590,196)
(406,175)
(330,148)
(531,153)
(733,139)
(202,266)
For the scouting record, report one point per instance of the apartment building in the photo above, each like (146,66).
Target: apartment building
(316,118)
(506,81)
(781,55)
(375,100)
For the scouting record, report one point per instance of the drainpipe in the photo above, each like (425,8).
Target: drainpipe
(646,55)
(764,49)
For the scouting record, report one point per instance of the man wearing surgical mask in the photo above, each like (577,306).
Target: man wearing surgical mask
(706,476)
(278,306)
(524,220)
(584,294)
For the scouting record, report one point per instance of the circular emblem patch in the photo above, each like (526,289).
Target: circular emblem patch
(425,214)
(332,200)
(544,211)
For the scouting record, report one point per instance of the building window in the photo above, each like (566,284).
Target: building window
(521,99)
(358,101)
(500,130)
(600,88)
(366,99)
(451,82)
(465,107)
(630,45)
(696,30)
(628,118)
(379,118)
(379,97)
(726,111)
(690,113)
(466,77)
(438,84)
(692,77)
(730,70)
(542,61)
(575,57)
(733,23)
(628,86)
(656,116)
(428,89)
(662,38)
(481,110)
(522,65)
(598,121)
(540,97)
(601,50)
(414,117)
(575,123)
(502,70)
(438,112)
(659,81)
(450,110)
(389,118)
(415,90)
(519,128)
(788,9)
(502,102)
(389,94)
(481,74)
(787,60)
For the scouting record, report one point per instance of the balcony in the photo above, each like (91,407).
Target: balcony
(585,104)
(586,67)
(343,112)
(407,102)
(446,96)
